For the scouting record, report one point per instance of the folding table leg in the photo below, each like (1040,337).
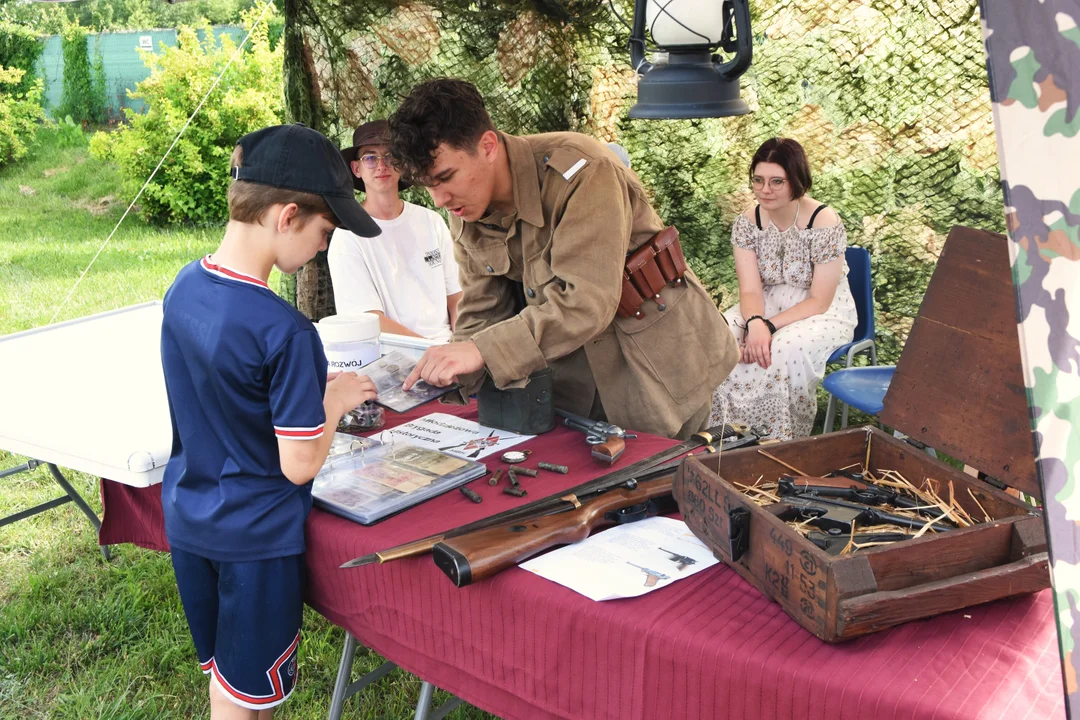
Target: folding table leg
(343,689)
(80,503)
(72,495)
(337,702)
(423,705)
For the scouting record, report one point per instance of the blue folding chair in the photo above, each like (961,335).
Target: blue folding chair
(862,291)
(863,388)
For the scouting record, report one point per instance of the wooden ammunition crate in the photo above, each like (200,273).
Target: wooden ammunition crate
(844,596)
(959,388)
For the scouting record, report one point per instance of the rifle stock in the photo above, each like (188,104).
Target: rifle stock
(484,553)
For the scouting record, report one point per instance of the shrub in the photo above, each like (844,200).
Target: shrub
(20,48)
(64,133)
(20,113)
(83,95)
(191,184)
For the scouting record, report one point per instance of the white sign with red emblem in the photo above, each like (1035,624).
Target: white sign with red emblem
(453,435)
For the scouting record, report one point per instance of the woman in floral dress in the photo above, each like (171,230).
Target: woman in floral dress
(795,306)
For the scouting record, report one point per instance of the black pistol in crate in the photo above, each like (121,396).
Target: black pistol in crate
(828,514)
(835,542)
(868,494)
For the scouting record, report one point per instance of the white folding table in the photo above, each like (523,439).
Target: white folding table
(89,395)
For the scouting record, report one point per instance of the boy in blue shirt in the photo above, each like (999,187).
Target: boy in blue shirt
(253,415)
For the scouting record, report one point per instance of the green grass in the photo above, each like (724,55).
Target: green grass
(81,638)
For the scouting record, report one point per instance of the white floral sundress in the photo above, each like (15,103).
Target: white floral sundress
(783,398)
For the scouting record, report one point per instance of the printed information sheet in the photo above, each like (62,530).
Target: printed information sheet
(626,560)
(450,434)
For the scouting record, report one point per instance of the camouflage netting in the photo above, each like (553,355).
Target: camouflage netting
(889,97)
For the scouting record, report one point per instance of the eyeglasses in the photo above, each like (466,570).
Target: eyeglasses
(371,160)
(776,183)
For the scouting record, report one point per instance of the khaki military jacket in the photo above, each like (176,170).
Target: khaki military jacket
(541,287)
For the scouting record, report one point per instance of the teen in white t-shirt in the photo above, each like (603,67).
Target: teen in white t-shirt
(407,275)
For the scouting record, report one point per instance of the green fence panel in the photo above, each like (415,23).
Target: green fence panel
(124,67)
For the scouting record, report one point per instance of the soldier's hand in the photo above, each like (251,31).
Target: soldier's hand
(442,364)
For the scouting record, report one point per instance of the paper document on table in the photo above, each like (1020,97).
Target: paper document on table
(626,560)
(450,434)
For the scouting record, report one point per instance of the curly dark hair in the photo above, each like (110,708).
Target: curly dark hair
(443,110)
(788,154)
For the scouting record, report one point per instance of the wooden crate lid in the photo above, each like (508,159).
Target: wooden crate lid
(959,384)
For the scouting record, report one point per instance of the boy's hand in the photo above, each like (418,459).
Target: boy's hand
(301,459)
(440,365)
(348,390)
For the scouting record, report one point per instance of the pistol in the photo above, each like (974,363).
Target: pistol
(866,495)
(681,561)
(834,541)
(651,576)
(827,513)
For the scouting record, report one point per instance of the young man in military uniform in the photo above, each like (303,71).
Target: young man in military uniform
(542,225)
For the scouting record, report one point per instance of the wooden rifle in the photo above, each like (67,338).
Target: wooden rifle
(622,485)
(480,554)
(468,557)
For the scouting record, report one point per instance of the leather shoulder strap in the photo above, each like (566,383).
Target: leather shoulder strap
(757,215)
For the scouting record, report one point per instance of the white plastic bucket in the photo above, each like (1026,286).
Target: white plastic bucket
(349,341)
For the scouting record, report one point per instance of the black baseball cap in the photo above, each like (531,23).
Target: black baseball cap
(295,157)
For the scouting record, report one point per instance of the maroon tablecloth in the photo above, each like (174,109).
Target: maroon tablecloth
(709,646)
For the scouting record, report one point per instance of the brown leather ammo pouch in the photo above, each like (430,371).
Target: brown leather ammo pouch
(657,263)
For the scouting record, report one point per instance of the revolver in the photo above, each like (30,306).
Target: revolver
(606,439)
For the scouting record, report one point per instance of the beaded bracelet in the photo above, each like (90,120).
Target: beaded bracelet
(768,324)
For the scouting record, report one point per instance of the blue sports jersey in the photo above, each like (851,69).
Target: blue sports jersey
(242,368)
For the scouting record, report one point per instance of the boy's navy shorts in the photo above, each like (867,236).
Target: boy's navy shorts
(245,619)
